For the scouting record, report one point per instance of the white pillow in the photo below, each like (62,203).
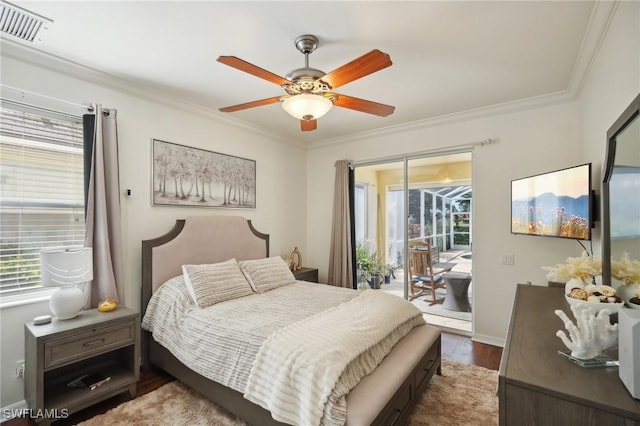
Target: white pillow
(267,274)
(215,283)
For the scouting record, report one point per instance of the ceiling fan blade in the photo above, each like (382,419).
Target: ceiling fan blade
(245,66)
(253,104)
(358,68)
(362,105)
(308,125)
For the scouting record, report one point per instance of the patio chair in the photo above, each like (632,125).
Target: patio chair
(424,276)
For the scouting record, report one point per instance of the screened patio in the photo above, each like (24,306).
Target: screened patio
(441,214)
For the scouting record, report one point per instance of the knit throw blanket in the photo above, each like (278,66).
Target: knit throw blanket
(297,368)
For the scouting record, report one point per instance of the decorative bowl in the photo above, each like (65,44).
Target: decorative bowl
(632,306)
(596,306)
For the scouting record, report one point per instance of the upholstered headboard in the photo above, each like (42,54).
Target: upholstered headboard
(198,240)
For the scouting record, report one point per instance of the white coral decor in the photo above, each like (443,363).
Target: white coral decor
(591,335)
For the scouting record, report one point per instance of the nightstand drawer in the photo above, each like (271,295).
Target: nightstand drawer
(93,342)
(306,274)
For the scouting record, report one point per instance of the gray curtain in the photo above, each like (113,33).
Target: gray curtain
(340,256)
(103,222)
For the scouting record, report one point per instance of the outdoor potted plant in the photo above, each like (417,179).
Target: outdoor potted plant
(369,268)
(364,265)
(377,273)
(389,272)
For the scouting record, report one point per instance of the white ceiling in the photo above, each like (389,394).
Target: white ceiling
(448,56)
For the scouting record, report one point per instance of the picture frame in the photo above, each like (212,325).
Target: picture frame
(186,176)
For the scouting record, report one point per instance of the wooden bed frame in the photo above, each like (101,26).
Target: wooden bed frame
(385,397)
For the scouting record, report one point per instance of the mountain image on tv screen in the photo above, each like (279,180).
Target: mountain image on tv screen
(554,204)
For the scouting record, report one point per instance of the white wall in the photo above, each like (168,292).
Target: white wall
(614,80)
(533,140)
(529,141)
(12,348)
(524,146)
(281,178)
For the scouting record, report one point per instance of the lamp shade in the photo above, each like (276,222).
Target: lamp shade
(62,267)
(307,106)
(66,268)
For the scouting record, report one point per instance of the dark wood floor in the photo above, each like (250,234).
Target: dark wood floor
(454,347)
(463,349)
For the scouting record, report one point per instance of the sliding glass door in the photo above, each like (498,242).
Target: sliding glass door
(406,200)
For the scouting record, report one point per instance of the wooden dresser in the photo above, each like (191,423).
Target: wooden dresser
(538,387)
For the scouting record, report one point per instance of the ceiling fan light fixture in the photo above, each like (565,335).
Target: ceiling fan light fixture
(310,91)
(307,106)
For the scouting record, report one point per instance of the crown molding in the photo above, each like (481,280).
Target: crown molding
(597,29)
(476,113)
(30,55)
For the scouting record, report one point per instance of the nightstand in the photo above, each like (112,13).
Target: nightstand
(93,342)
(306,274)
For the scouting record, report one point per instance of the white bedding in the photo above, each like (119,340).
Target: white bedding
(222,341)
(298,367)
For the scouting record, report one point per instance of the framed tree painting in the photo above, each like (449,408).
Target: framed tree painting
(186,176)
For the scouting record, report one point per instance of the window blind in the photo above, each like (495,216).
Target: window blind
(41,191)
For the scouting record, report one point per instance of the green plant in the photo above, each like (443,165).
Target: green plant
(377,267)
(362,258)
(390,270)
(368,263)
(18,270)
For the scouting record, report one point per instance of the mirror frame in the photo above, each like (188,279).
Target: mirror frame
(630,113)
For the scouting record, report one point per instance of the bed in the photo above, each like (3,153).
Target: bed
(386,396)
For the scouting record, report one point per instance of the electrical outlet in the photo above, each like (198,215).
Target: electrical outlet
(20,369)
(507,259)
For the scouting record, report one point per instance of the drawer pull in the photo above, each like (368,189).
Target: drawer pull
(396,417)
(428,367)
(94,342)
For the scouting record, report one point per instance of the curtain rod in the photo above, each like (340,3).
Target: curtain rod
(40,108)
(351,165)
(105,111)
(22,93)
(26,92)
(432,153)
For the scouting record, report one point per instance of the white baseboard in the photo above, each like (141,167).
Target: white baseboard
(489,340)
(454,330)
(9,411)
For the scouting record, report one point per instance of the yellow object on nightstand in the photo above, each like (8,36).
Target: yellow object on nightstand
(107,305)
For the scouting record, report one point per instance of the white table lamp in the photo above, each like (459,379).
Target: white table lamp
(65,268)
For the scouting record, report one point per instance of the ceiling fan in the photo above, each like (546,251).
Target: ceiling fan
(310,92)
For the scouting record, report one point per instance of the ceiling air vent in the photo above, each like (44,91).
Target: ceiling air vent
(21,23)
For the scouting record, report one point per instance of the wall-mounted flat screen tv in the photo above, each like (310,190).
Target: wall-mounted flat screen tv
(553,204)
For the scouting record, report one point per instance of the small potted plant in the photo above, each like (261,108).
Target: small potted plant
(370,267)
(389,272)
(377,273)
(363,278)
(365,265)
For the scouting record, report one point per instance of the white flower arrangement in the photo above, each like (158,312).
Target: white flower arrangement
(626,270)
(584,268)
